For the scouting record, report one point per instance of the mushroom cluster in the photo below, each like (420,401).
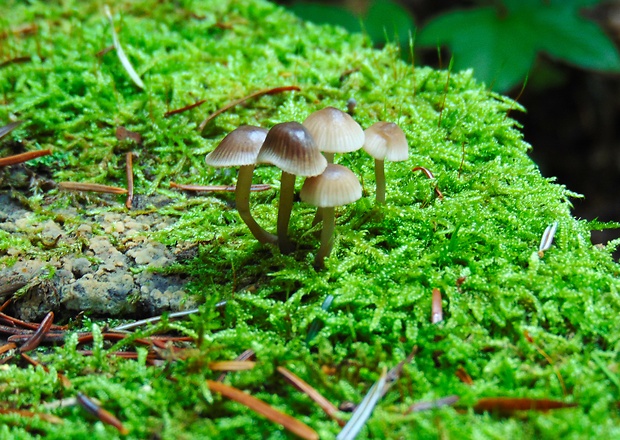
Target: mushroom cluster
(296,149)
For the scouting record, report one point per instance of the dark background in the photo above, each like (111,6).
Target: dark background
(572,119)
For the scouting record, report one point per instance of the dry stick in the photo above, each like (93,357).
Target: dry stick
(129,170)
(16,60)
(430,175)
(295,426)
(183,109)
(37,336)
(7,347)
(231,365)
(245,356)
(105,50)
(256,94)
(64,380)
(100,413)
(217,188)
(304,387)
(94,187)
(28,325)
(20,158)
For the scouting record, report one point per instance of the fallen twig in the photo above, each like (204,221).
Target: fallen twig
(129,170)
(103,415)
(38,335)
(257,405)
(94,187)
(304,387)
(256,94)
(23,157)
(183,109)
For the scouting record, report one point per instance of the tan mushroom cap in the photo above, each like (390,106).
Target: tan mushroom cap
(386,141)
(335,131)
(291,148)
(240,147)
(337,186)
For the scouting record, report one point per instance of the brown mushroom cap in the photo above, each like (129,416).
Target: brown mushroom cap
(240,147)
(386,141)
(335,131)
(337,186)
(291,148)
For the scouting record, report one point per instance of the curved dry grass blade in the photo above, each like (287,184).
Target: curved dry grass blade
(95,187)
(429,175)
(9,128)
(433,404)
(23,157)
(103,415)
(364,410)
(121,53)
(270,91)
(295,426)
(304,387)
(38,335)
(183,109)
(218,188)
(508,405)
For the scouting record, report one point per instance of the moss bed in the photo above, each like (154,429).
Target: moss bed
(478,245)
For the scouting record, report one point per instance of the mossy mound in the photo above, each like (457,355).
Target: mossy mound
(477,245)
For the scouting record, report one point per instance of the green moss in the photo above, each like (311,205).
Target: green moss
(477,245)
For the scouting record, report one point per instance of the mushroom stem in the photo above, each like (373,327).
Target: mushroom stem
(327,237)
(242,200)
(329,157)
(287,189)
(380,180)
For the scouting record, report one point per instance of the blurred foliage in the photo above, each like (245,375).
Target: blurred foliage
(499,40)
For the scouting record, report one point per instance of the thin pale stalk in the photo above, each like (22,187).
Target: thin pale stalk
(327,237)
(380,180)
(287,190)
(242,199)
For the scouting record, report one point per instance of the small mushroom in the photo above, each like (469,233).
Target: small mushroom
(240,148)
(334,131)
(385,141)
(291,148)
(337,186)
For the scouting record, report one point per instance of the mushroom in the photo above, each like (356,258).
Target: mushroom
(334,131)
(240,148)
(385,141)
(291,148)
(337,186)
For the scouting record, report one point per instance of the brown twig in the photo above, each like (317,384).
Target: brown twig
(103,415)
(217,188)
(24,413)
(183,109)
(28,325)
(16,60)
(38,335)
(245,356)
(304,387)
(231,365)
(23,157)
(290,423)
(269,91)
(129,170)
(430,175)
(105,50)
(95,187)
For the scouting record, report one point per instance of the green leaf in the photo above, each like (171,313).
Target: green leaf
(500,50)
(386,20)
(502,47)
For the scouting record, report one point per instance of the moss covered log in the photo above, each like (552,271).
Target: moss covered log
(503,304)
